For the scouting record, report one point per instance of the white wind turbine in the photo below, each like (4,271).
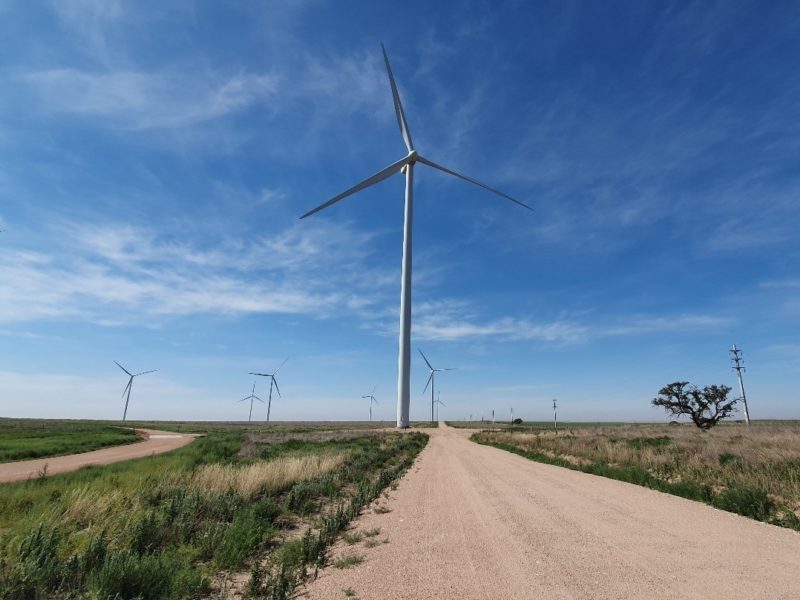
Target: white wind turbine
(272,382)
(371,397)
(129,386)
(431,381)
(252,397)
(406,166)
(438,402)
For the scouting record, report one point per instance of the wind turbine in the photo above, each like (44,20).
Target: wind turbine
(129,386)
(272,382)
(406,166)
(431,379)
(371,397)
(252,397)
(438,401)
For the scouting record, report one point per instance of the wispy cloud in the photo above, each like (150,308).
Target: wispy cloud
(452,321)
(141,100)
(110,274)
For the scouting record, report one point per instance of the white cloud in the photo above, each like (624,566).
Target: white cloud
(141,100)
(451,321)
(109,274)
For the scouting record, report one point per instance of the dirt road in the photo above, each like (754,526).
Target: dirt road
(155,442)
(473,522)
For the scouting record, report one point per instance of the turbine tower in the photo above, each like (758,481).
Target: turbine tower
(406,166)
(252,397)
(431,381)
(272,382)
(129,386)
(438,402)
(371,397)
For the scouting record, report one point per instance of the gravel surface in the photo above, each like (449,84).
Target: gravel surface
(154,442)
(470,521)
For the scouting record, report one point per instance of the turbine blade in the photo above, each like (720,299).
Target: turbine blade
(243,399)
(429,382)
(276,386)
(398,106)
(145,372)
(261,374)
(279,368)
(130,381)
(374,387)
(379,176)
(376,402)
(259,399)
(427,362)
(123,368)
(450,369)
(430,163)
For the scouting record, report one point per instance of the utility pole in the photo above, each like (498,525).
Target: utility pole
(738,366)
(555,416)
(492,415)
(512,415)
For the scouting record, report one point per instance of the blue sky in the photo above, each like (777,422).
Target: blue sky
(154,158)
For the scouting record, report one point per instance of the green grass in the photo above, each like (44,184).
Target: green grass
(23,439)
(142,529)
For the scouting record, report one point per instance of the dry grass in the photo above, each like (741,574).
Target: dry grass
(270,476)
(765,455)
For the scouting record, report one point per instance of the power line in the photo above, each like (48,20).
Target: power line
(738,366)
(555,415)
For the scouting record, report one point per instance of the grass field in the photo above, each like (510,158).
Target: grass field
(753,471)
(235,510)
(22,439)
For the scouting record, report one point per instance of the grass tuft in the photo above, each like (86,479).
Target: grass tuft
(348,560)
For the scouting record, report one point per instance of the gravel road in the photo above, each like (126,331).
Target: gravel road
(470,522)
(154,442)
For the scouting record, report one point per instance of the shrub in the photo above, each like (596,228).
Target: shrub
(747,501)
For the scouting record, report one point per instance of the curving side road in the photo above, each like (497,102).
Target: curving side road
(474,522)
(154,442)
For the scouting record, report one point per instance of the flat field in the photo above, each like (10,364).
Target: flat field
(237,511)
(22,439)
(753,471)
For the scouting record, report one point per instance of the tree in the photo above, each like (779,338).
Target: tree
(705,407)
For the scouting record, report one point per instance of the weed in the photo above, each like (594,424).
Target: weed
(727,458)
(349,592)
(371,543)
(170,521)
(745,501)
(353,537)
(348,560)
(381,510)
(372,532)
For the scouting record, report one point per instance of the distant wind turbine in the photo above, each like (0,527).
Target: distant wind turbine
(272,382)
(371,397)
(406,166)
(431,381)
(438,402)
(252,397)
(129,386)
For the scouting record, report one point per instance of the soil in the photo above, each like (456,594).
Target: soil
(153,442)
(474,522)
